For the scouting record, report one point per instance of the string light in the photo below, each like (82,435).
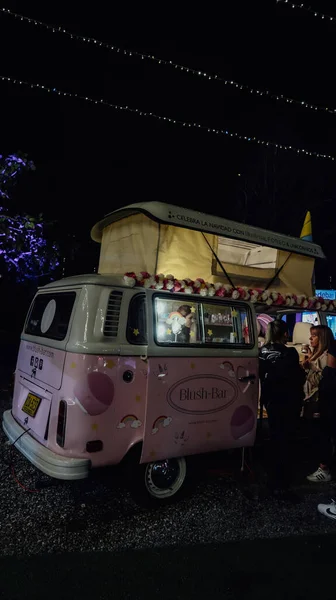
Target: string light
(307,9)
(188,124)
(197,72)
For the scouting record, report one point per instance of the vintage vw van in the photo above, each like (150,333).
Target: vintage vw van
(133,363)
(105,369)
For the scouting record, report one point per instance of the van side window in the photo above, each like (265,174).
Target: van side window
(225,324)
(331,322)
(185,322)
(50,314)
(177,321)
(136,331)
(294,317)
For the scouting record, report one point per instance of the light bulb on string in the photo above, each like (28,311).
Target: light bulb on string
(308,9)
(143,113)
(170,63)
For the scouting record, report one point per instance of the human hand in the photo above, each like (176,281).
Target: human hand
(306,362)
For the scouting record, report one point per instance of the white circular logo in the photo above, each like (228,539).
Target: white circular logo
(48,316)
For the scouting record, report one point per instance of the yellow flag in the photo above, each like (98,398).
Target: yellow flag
(307,232)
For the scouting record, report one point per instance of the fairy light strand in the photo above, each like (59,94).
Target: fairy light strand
(172,64)
(307,9)
(189,124)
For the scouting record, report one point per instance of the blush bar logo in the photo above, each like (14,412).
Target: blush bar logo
(202,394)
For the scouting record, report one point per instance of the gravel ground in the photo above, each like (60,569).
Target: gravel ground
(101,516)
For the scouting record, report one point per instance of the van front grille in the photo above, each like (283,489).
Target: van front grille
(112,314)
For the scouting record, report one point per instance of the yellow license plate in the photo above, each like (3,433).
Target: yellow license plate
(31,404)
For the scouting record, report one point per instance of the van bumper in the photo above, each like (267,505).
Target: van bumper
(54,465)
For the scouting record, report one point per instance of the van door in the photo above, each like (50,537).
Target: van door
(48,320)
(40,365)
(202,390)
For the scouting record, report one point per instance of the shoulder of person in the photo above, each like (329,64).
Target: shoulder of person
(291,355)
(290,351)
(266,349)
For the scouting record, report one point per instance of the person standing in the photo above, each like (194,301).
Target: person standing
(181,322)
(328,414)
(282,379)
(327,410)
(320,341)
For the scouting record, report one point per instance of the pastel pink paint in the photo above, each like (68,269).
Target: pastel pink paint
(203,396)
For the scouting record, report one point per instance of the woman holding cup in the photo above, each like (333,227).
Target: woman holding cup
(320,389)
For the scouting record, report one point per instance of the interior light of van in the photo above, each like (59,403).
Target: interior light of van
(61,423)
(161,330)
(161,307)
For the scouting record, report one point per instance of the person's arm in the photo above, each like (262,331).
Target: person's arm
(328,380)
(306,363)
(291,364)
(312,365)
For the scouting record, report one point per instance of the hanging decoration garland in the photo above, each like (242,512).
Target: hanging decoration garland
(307,9)
(143,113)
(168,283)
(172,64)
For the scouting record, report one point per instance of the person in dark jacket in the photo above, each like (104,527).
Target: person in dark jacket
(282,379)
(327,409)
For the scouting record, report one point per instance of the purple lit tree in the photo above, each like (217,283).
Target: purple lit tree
(25,252)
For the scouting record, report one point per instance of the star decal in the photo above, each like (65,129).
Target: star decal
(110,364)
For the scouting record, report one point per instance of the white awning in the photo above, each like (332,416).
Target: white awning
(182,217)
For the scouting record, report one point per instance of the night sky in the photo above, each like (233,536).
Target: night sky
(92,159)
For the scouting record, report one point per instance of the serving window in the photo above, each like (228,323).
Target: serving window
(200,322)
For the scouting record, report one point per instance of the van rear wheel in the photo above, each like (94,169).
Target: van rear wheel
(164,478)
(158,483)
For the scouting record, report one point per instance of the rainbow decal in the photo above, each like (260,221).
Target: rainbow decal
(228,367)
(130,420)
(162,421)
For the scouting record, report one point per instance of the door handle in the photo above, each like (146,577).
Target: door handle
(247,378)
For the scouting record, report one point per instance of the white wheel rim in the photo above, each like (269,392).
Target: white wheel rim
(172,487)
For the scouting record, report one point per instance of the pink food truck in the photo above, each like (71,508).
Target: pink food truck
(153,368)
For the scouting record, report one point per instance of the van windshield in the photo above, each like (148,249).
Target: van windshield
(50,315)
